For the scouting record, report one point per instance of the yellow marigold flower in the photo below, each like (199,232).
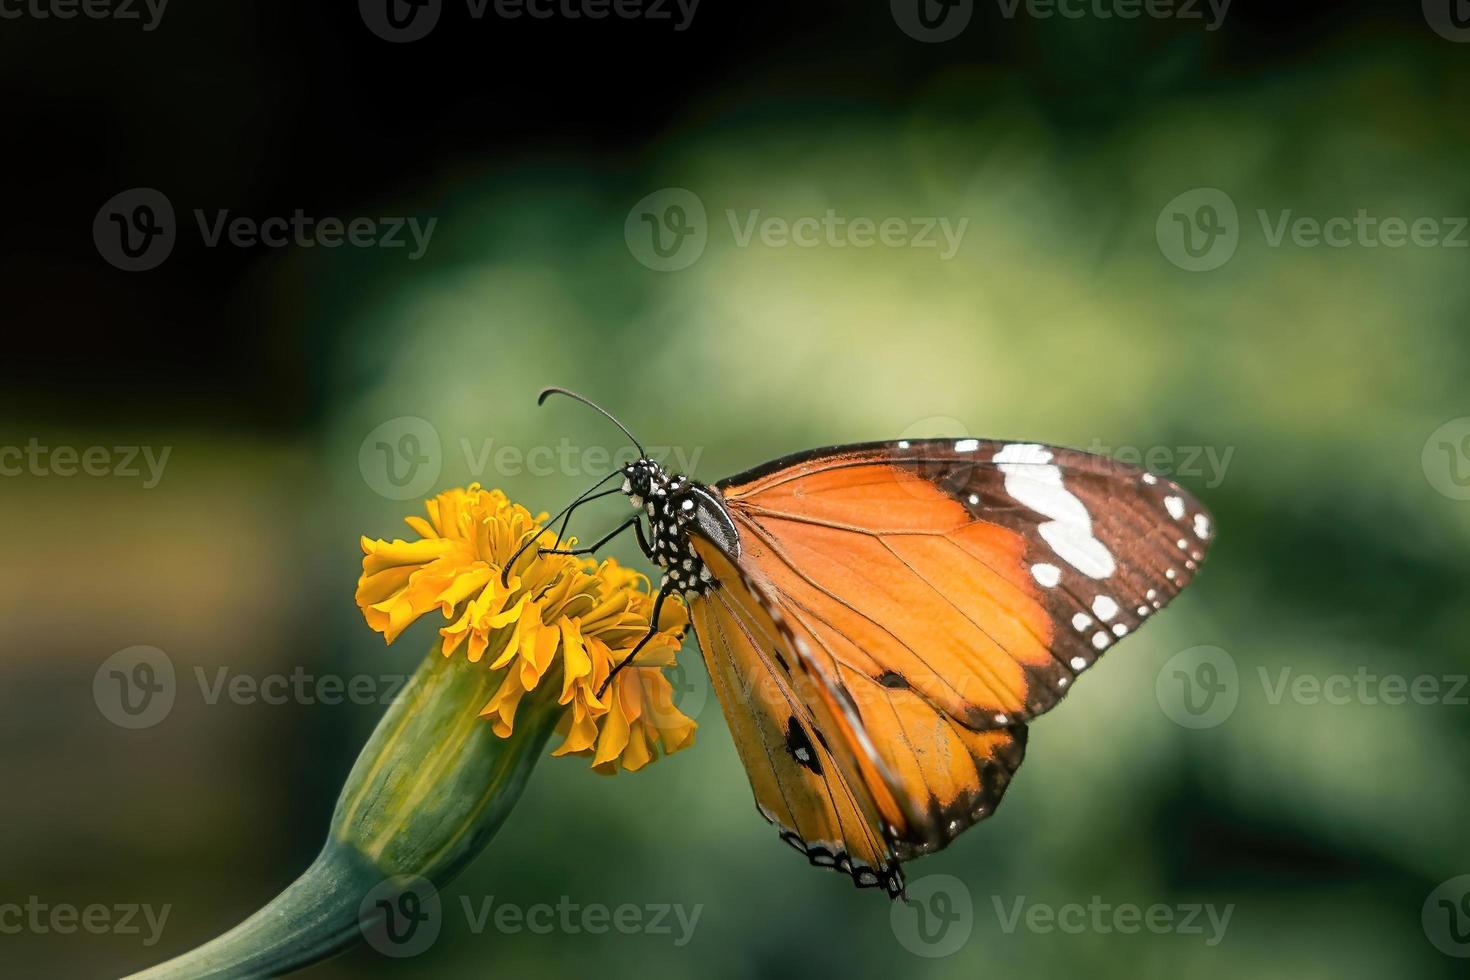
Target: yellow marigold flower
(562,616)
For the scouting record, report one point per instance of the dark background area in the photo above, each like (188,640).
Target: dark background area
(265,108)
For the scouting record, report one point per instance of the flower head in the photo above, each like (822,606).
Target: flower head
(558,626)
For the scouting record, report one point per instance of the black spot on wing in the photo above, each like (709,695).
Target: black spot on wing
(801,748)
(893,680)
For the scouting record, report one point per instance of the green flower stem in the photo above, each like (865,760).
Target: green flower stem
(431,787)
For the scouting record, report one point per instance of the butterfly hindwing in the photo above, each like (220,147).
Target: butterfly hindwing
(799,786)
(920,776)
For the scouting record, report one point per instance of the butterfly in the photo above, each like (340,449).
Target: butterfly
(882,621)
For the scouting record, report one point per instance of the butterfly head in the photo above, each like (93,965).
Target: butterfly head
(679,508)
(644,481)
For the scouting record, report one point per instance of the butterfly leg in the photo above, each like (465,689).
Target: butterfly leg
(658,604)
(630,522)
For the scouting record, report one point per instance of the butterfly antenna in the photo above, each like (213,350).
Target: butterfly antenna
(545,392)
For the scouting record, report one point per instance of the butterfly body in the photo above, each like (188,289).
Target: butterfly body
(882,621)
(676,504)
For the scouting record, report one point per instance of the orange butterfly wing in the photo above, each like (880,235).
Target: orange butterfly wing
(799,786)
(939,593)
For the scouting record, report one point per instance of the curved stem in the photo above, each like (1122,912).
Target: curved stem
(429,790)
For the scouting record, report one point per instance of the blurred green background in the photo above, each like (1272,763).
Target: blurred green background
(1313,396)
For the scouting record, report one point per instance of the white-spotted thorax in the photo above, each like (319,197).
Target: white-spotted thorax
(677,507)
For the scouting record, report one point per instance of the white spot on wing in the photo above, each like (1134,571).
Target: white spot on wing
(1119,629)
(1100,639)
(1046,575)
(1175,507)
(1075,545)
(1081,621)
(1104,607)
(1080,663)
(1201,526)
(1035,482)
(967,445)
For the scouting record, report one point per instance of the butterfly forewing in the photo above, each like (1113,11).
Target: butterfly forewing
(985,575)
